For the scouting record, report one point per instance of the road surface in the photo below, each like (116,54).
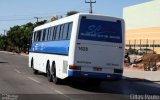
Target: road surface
(18,82)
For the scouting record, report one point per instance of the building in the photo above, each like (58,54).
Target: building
(143,25)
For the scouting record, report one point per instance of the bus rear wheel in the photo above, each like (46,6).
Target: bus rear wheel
(55,79)
(32,66)
(49,75)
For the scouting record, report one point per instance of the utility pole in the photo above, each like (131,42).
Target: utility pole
(91,11)
(37,18)
(5,32)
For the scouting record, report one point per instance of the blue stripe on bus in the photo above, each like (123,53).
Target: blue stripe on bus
(56,47)
(49,53)
(72,73)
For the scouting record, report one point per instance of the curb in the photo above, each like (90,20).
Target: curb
(135,79)
(140,69)
(23,54)
(139,79)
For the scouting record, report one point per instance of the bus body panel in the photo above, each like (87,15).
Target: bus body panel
(96,57)
(57,51)
(40,63)
(99,47)
(44,51)
(102,39)
(51,47)
(93,55)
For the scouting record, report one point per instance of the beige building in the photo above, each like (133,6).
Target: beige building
(143,25)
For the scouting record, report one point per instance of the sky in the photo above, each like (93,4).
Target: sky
(19,12)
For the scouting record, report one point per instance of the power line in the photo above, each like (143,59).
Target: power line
(16,19)
(40,14)
(47,15)
(90,2)
(37,18)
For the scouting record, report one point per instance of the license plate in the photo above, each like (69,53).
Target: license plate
(97,69)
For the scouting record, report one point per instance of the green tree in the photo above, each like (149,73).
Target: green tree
(71,13)
(18,36)
(3,42)
(54,18)
(14,36)
(40,23)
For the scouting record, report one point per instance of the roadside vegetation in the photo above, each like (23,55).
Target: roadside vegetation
(17,37)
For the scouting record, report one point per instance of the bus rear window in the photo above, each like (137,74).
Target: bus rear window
(99,30)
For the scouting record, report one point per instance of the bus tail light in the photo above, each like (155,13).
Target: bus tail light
(74,67)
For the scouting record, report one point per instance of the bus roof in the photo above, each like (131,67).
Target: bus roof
(70,19)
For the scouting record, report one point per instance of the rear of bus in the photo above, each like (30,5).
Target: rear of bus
(99,48)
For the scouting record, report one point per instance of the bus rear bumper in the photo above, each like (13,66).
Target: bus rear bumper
(105,76)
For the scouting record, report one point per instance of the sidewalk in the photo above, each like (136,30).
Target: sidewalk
(133,68)
(142,75)
(23,54)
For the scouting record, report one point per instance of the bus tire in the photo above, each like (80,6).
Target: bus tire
(55,79)
(32,66)
(48,71)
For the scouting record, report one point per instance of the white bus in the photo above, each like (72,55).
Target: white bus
(84,46)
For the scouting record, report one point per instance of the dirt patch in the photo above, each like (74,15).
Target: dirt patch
(151,57)
(147,62)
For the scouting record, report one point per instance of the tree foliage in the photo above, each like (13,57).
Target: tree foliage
(71,13)
(18,36)
(3,41)
(54,18)
(67,14)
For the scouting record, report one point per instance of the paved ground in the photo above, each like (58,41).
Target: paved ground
(17,81)
(141,74)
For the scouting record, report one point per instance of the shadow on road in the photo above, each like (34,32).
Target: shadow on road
(127,86)
(1,62)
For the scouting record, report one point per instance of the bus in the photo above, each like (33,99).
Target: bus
(87,46)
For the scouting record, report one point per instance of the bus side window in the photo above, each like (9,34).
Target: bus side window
(47,33)
(61,32)
(34,37)
(54,33)
(44,34)
(51,33)
(69,31)
(38,37)
(57,33)
(65,30)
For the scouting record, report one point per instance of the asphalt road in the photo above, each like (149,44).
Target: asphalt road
(17,82)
